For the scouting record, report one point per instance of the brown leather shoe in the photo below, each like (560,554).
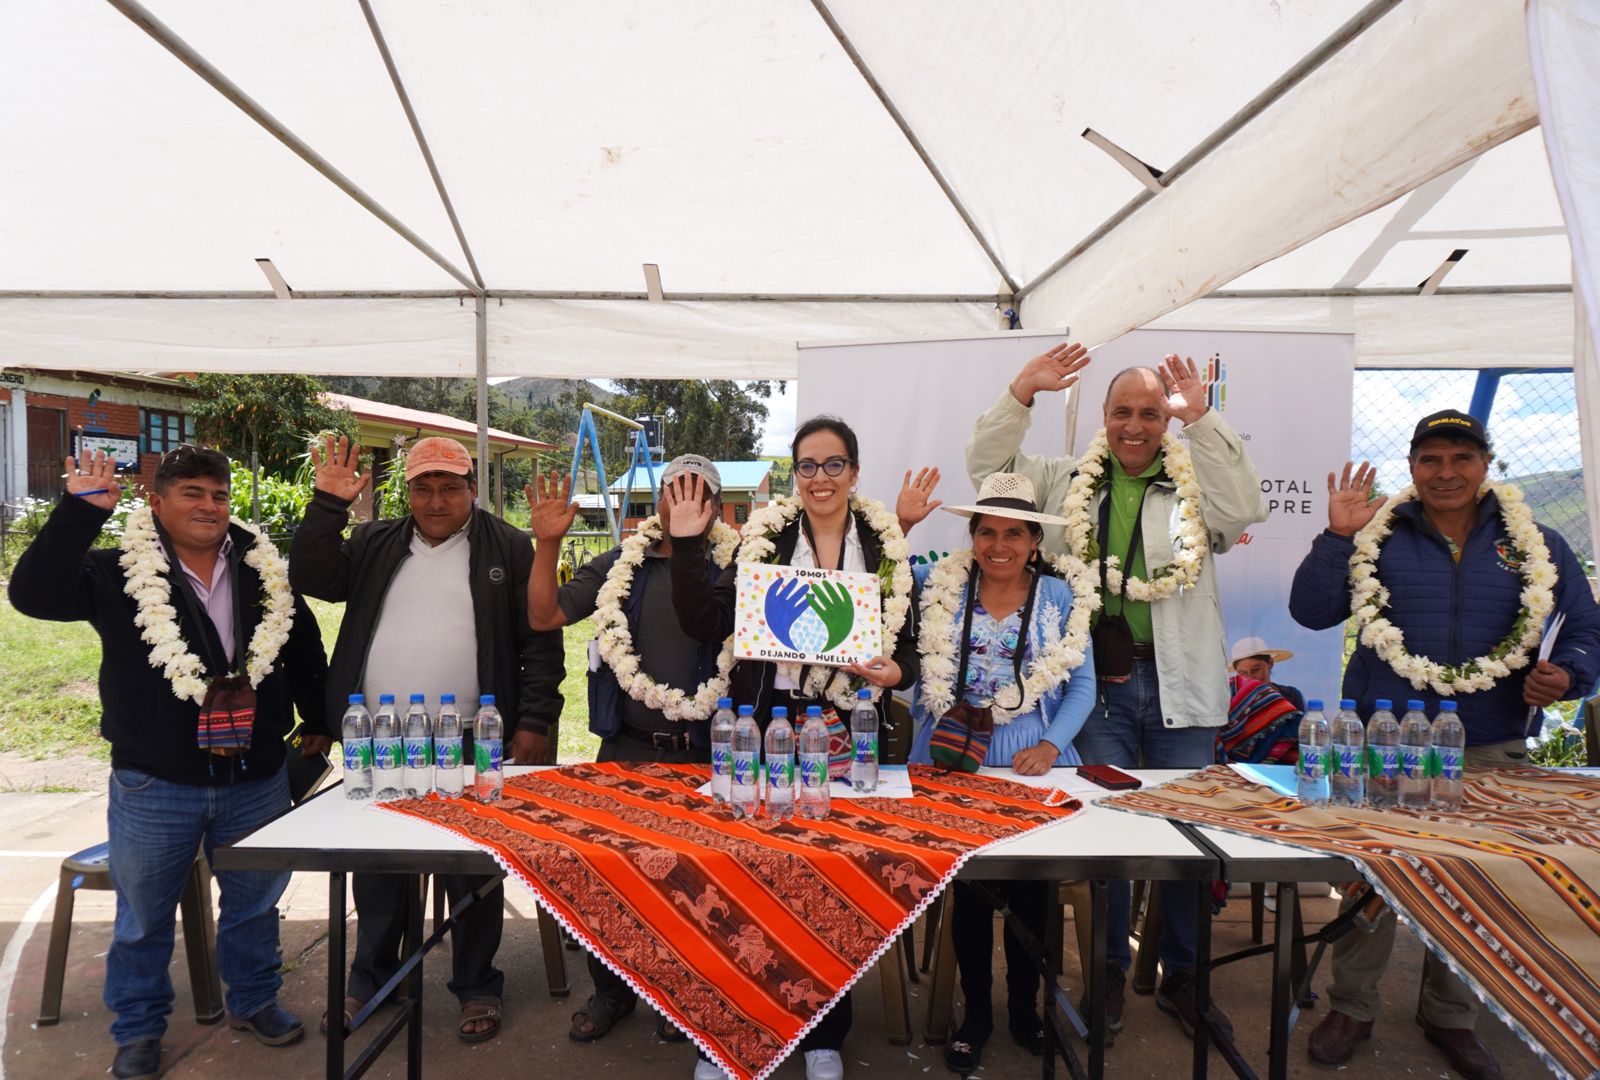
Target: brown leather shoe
(1334,1040)
(1468,1056)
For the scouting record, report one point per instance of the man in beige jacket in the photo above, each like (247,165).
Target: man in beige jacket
(1161,662)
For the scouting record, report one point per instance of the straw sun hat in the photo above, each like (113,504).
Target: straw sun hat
(1007,495)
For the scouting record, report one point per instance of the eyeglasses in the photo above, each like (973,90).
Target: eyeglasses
(833,466)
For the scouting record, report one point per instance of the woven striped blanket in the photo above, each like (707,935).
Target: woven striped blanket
(744,933)
(1505,891)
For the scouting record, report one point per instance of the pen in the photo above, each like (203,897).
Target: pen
(94,491)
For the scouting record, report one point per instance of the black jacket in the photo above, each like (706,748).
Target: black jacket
(150,728)
(706,612)
(520,666)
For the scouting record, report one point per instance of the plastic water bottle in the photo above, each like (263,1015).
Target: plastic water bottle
(447,747)
(388,750)
(864,737)
(487,732)
(1416,735)
(355,735)
(722,751)
(1383,757)
(1311,774)
(813,798)
(1346,779)
(418,748)
(1449,754)
(743,787)
(780,766)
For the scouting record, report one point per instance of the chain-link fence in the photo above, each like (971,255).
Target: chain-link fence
(1533,425)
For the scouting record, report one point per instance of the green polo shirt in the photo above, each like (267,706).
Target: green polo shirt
(1127,492)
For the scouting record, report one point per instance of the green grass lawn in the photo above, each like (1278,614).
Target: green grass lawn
(50,703)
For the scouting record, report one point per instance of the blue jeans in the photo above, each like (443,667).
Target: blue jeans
(156,827)
(1125,729)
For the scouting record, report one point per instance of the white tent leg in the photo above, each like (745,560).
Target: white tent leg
(482,305)
(1587,390)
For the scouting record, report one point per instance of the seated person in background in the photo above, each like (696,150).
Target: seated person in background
(1253,658)
(632,584)
(1263,726)
(1016,641)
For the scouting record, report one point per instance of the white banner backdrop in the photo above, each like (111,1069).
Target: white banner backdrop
(912,403)
(1289,397)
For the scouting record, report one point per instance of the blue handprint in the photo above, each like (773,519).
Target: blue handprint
(786,602)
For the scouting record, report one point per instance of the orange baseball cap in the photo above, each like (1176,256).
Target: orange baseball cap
(438,455)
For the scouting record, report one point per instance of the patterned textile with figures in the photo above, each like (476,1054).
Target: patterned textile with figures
(746,932)
(1506,891)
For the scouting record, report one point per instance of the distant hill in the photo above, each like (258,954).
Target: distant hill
(1557,500)
(533,391)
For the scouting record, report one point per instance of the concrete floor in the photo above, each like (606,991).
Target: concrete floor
(39,828)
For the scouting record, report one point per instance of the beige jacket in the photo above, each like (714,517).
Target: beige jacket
(1191,651)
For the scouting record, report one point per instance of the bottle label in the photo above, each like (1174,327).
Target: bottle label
(419,753)
(744,769)
(780,773)
(447,752)
(813,770)
(1311,763)
(1450,764)
(1414,762)
(387,753)
(1348,759)
(866,748)
(721,761)
(1383,762)
(357,755)
(488,755)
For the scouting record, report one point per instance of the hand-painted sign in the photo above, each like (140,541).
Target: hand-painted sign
(808,616)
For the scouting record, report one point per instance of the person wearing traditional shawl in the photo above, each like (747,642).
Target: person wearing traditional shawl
(1014,639)
(1263,725)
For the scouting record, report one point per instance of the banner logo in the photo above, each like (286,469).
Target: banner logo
(1214,380)
(809,616)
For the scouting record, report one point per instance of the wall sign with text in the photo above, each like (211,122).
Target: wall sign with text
(807,616)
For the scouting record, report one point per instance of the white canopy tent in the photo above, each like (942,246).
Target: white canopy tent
(822,170)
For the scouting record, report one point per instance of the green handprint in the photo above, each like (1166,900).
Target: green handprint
(834,607)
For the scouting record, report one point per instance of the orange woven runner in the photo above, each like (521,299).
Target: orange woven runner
(1504,891)
(744,933)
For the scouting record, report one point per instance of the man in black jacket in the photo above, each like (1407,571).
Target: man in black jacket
(189,601)
(435,602)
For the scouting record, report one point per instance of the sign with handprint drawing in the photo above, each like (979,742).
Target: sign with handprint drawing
(808,616)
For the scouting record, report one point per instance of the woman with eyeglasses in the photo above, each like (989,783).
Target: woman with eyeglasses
(1002,645)
(823,525)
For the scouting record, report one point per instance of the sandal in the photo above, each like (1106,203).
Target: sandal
(668,1032)
(602,1015)
(1028,1033)
(962,1057)
(351,1007)
(476,1011)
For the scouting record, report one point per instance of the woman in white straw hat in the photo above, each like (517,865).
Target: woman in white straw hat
(1013,638)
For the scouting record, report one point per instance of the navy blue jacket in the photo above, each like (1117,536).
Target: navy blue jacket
(1450,612)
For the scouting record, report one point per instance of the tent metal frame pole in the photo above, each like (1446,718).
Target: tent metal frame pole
(916,144)
(1357,25)
(422,140)
(481,306)
(141,17)
(1321,294)
(500,294)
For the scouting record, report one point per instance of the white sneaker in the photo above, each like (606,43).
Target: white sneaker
(707,1070)
(824,1065)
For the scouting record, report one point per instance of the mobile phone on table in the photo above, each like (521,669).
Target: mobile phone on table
(1109,776)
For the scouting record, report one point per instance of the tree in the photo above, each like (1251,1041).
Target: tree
(717,418)
(274,415)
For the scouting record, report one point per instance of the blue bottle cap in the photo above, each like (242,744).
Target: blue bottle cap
(863,694)
(1447,706)
(1382,703)
(418,699)
(780,713)
(1314,705)
(385,699)
(813,710)
(1414,705)
(358,699)
(747,710)
(486,699)
(1347,703)
(447,699)
(724,703)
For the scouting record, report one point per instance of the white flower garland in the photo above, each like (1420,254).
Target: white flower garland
(941,606)
(616,640)
(1369,599)
(145,565)
(1188,546)
(894,581)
